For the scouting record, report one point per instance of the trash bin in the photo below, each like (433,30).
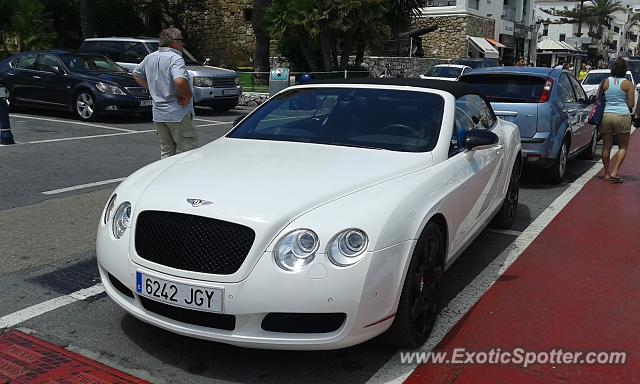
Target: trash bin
(278,80)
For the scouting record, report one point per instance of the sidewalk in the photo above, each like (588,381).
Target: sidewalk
(575,288)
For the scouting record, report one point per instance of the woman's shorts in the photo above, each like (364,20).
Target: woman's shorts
(614,123)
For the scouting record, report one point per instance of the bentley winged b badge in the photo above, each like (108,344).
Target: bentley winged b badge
(198,202)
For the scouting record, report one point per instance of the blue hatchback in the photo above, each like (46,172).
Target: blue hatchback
(550,108)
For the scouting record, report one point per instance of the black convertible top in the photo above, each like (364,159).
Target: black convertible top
(455,88)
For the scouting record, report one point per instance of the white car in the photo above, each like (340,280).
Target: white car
(449,72)
(591,83)
(326,217)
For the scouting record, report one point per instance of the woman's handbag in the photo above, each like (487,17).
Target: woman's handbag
(597,110)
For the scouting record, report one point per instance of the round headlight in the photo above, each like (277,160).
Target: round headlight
(295,250)
(109,207)
(121,219)
(347,247)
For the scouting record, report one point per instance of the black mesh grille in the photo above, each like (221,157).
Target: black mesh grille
(138,92)
(192,243)
(224,82)
(303,322)
(204,319)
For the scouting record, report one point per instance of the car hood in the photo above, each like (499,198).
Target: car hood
(266,184)
(120,78)
(206,70)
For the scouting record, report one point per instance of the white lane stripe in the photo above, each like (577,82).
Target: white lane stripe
(76,122)
(48,306)
(81,186)
(394,372)
(504,232)
(88,137)
(207,125)
(214,121)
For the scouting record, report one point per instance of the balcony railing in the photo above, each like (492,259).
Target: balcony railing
(440,3)
(509,13)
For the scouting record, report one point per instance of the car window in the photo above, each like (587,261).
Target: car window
(24,62)
(565,90)
(405,121)
(88,62)
(45,62)
(134,52)
(507,88)
(577,88)
(595,78)
(452,72)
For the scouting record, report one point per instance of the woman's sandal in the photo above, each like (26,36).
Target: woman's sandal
(615,180)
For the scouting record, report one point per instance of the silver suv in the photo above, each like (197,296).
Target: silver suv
(212,86)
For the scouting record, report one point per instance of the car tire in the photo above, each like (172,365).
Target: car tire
(559,167)
(84,106)
(507,213)
(589,153)
(420,298)
(10,104)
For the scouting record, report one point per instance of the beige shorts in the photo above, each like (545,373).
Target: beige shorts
(614,123)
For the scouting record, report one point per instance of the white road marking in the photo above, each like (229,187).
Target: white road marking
(394,371)
(213,121)
(76,122)
(82,186)
(87,137)
(48,306)
(220,123)
(504,232)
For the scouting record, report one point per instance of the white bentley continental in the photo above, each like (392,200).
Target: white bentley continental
(325,217)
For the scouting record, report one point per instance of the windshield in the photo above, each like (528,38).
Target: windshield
(453,72)
(186,55)
(90,63)
(596,78)
(405,121)
(508,88)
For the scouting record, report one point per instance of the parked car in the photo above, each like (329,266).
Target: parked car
(550,108)
(591,83)
(477,63)
(326,217)
(449,72)
(213,87)
(88,84)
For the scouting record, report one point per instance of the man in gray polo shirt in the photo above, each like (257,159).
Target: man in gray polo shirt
(165,75)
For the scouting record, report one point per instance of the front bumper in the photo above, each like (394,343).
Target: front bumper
(367,293)
(212,96)
(114,104)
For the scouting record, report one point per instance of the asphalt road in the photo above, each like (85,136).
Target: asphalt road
(47,248)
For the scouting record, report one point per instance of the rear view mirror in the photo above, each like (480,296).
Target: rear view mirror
(480,139)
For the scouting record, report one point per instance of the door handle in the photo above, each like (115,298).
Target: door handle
(37,77)
(11,74)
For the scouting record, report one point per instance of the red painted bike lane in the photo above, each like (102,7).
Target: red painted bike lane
(575,288)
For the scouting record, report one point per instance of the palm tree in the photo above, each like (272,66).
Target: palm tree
(263,42)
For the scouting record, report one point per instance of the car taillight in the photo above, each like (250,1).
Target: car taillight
(546,91)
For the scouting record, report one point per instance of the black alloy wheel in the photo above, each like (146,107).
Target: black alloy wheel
(420,299)
(507,214)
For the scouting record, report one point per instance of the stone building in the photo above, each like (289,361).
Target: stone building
(449,41)
(225,33)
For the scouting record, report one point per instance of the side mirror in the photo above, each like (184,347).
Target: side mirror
(592,99)
(480,139)
(51,68)
(638,87)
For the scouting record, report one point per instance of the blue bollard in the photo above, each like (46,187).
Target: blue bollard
(6,137)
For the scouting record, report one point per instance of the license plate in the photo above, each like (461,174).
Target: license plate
(180,295)
(146,103)
(226,92)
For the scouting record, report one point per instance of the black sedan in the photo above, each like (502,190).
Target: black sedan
(88,84)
